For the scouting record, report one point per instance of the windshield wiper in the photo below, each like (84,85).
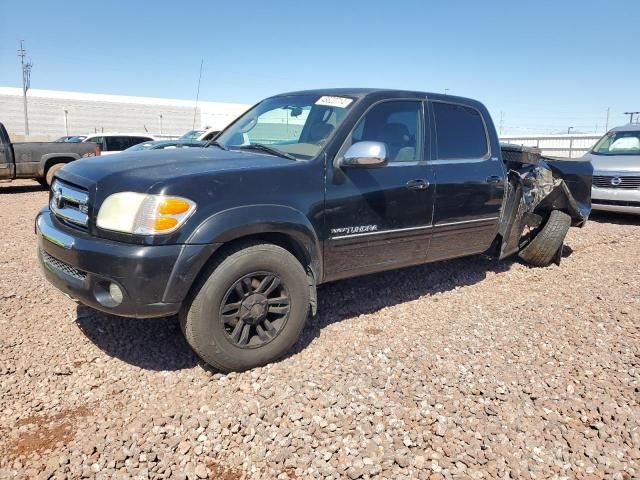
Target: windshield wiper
(215,144)
(267,149)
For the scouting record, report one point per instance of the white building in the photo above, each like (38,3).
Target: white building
(53,114)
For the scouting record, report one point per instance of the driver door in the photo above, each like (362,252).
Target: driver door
(380,218)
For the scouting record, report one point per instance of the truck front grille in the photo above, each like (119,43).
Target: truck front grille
(606,181)
(70,204)
(60,266)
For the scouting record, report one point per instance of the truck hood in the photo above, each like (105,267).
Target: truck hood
(139,171)
(613,163)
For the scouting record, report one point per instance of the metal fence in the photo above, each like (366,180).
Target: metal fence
(567,146)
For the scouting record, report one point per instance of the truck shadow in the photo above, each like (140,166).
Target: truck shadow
(158,344)
(8,188)
(365,295)
(152,344)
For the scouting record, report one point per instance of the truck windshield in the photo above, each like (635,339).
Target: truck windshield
(618,143)
(297,125)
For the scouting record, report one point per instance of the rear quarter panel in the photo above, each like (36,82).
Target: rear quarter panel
(578,177)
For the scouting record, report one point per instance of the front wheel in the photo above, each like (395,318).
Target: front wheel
(249,309)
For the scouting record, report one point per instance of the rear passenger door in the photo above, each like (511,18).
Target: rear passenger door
(470,182)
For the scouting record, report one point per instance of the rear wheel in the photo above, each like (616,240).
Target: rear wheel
(52,171)
(541,246)
(249,310)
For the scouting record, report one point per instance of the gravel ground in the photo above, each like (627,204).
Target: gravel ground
(470,368)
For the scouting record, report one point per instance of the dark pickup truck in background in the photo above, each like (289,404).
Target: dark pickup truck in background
(304,188)
(38,160)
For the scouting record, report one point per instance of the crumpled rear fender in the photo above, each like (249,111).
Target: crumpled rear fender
(537,188)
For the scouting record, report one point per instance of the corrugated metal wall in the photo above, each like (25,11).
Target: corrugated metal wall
(87,113)
(567,146)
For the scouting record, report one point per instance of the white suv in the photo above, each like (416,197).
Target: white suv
(111,143)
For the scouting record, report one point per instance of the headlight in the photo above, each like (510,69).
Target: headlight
(144,214)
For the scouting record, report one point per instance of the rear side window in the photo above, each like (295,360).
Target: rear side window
(460,132)
(117,144)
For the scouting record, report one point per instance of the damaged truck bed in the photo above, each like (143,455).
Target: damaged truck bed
(544,197)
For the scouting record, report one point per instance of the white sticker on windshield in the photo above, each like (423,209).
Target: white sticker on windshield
(340,102)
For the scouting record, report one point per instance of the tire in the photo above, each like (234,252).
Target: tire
(51,172)
(214,340)
(543,247)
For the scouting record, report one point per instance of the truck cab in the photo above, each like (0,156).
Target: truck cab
(304,188)
(39,160)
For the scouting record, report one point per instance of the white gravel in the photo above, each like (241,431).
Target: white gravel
(465,369)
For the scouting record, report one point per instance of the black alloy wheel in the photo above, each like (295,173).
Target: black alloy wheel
(249,307)
(255,309)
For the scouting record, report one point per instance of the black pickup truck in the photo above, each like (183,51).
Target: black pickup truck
(38,160)
(304,188)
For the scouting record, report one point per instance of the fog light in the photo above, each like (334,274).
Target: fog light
(116,293)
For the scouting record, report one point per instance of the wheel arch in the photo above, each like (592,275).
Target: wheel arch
(282,226)
(53,158)
(280,223)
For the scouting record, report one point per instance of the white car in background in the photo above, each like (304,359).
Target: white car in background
(193,134)
(209,134)
(111,143)
(616,170)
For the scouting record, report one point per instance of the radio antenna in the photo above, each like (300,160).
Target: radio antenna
(195,110)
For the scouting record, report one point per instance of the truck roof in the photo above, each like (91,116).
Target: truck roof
(629,127)
(364,92)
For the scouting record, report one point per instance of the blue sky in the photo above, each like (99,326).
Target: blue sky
(545,65)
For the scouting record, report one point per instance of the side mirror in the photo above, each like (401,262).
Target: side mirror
(365,155)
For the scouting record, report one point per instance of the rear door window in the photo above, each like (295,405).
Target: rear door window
(460,132)
(119,143)
(116,144)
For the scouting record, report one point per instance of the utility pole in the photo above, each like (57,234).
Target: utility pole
(631,114)
(26,82)
(501,122)
(66,122)
(606,127)
(160,124)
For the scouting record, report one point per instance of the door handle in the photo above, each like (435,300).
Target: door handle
(418,184)
(494,179)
